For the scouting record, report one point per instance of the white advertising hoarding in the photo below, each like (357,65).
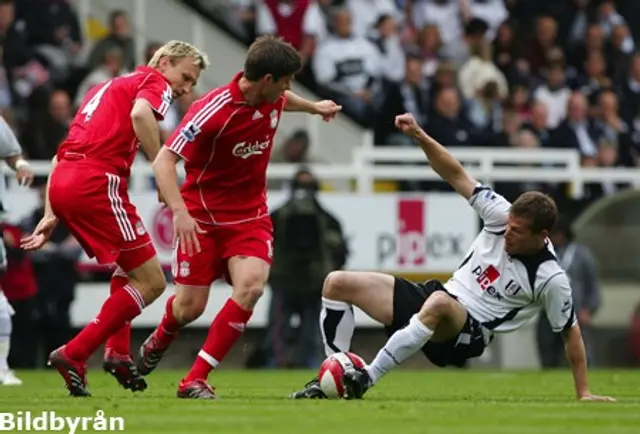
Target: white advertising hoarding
(386,232)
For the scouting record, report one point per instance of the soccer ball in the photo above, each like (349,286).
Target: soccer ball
(332,370)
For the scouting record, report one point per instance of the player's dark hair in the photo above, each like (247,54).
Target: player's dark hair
(271,55)
(538,208)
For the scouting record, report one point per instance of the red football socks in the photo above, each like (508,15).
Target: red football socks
(225,330)
(122,306)
(169,327)
(120,341)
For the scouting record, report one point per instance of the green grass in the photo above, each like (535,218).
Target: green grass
(434,401)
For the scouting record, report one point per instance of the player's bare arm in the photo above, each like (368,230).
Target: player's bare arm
(576,355)
(47,224)
(444,164)
(146,128)
(326,108)
(185,227)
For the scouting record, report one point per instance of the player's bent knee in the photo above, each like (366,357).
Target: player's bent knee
(336,286)
(189,303)
(436,307)
(149,280)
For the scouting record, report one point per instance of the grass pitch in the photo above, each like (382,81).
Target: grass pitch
(434,401)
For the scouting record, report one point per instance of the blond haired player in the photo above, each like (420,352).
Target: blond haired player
(87,191)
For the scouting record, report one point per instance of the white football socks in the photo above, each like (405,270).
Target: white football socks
(336,324)
(400,346)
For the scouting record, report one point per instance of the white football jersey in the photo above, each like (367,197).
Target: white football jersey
(502,291)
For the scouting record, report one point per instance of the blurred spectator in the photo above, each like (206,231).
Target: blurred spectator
(595,78)
(309,244)
(429,44)
(485,110)
(573,22)
(386,38)
(546,34)
(298,22)
(492,12)
(20,288)
(578,131)
(445,15)
(608,17)
(119,36)
(49,128)
(554,94)
(507,51)
(630,89)
(411,95)
(112,65)
(594,41)
(448,124)
(295,149)
(538,124)
(54,32)
(520,101)
(349,67)
(577,260)
(54,268)
(479,71)
(619,52)
(367,14)
(613,127)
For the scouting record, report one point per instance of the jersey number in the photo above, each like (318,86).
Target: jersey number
(94,102)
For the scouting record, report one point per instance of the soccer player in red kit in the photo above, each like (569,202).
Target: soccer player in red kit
(221,216)
(87,191)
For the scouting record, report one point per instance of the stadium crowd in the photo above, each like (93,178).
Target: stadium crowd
(543,74)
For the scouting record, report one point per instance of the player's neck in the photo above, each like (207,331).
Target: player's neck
(250,91)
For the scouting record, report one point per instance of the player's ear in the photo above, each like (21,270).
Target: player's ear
(268,79)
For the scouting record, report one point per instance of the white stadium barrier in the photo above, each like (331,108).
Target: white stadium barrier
(370,164)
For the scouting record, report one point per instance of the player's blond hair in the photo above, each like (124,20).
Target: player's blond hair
(177,50)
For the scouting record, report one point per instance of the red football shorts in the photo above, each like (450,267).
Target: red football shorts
(253,238)
(94,206)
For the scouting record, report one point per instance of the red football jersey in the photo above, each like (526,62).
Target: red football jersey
(102,130)
(226,145)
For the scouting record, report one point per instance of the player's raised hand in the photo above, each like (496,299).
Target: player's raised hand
(407,124)
(40,235)
(185,231)
(327,109)
(595,398)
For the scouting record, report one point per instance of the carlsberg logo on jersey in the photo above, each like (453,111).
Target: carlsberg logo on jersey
(50,421)
(245,150)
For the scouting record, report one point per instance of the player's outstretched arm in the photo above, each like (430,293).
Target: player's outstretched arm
(146,128)
(326,108)
(576,355)
(445,165)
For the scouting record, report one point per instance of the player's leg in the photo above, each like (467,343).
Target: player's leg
(372,292)
(248,276)
(440,319)
(193,276)
(7,376)
(146,283)
(184,306)
(120,342)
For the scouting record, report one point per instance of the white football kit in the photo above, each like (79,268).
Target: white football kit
(501,291)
